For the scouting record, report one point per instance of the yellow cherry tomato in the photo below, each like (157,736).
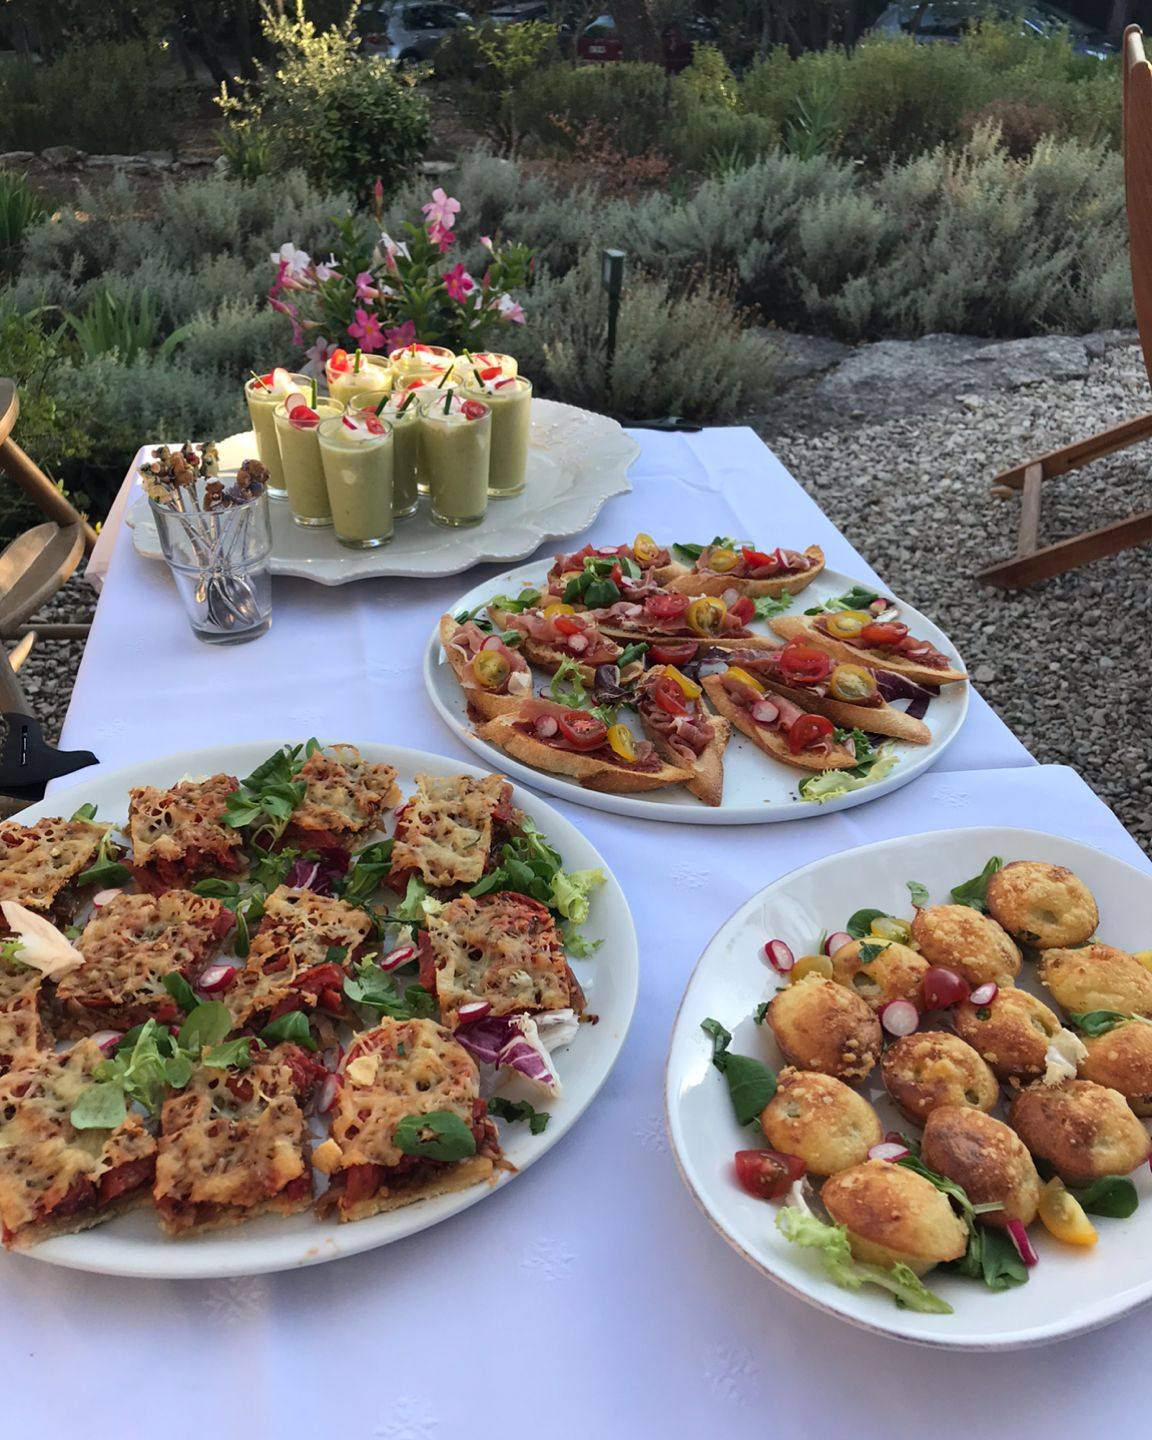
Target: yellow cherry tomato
(721,559)
(734,672)
(620,739)
(491,669)
(705,615)
(811,965)
(851,683)
(1145,958)
(844,624)
(645,550)
(889,928)
(558,608)
(1063,1216)
(690,688)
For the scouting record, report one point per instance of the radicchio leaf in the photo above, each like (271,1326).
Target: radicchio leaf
(899,687)
(511,1042)
(319,875)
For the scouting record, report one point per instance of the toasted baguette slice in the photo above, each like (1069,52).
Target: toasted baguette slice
(875,719)
(707,782)
(549,657)
(690,581)
(654,637)
(482,704)
(770,741)
(800,627)
(593,772)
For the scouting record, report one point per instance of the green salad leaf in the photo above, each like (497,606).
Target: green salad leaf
(231,1055)
(106,871)
(1113,1196)
(85,812)
(292,1028)
(264,801)
(1097,1022)
(766,606)
(918,892)
(751,1084)
(181,991)
(860,923)
(512,1110)
(974,892)
(367,873)
(831,784)
(567,688)
(858,598)
(416,905)
(380,991)
(439,1135)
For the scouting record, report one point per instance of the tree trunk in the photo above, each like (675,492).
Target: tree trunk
(637,30)
(914,23)
(245,47)
(205,43)
(1120,17)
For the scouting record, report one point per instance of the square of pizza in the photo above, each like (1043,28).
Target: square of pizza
(304,946)
(179,835)
(394,1077)
(22,1034)
(346,797)
(501,950)
(234,1144)
(39,864)
(445,832)
(129,945)
(56,1179)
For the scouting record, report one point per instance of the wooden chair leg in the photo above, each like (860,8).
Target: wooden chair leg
(26,474)
(1083,452)
(1027,568)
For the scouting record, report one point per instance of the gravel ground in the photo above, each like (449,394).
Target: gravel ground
(49,672)
(1065,663)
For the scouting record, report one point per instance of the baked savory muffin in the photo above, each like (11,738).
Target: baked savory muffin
(986,1158)
(1012,1033)
(894,1215)
(1098,977)
(1083,1130)
(974,945)
(1042,905)
(932,1068)
(1121,1059)
(820,1025)
(880,971)
(821,1120)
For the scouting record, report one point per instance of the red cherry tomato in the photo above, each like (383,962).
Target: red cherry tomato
(807,730)
(666,607)
(670,698)
(883,633)
(338,360)
(582,730)
(768,1174)
(742,610)
(943,987)
(672,652)
(755,559)
(472,410)
(616,575)
(804,664)
(567,624)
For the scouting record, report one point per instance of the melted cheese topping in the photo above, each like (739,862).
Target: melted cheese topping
(167,824)
(445,830)
(37,861)
(345,793)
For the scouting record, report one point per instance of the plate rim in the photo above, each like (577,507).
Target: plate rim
(317,1249)
(1028,1339)
(684,812)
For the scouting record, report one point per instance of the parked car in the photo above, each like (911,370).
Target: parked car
(599,43)
(407,32)
(942,23)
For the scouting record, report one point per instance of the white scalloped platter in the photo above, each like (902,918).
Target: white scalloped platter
(578,461)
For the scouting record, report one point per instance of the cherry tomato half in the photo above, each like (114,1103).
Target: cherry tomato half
(669,697)
(567,624)
(672,652)
(705,615)
(622,744)
(582,730)
(491,669)
(742,610)
(807,730)
(721,560)
(804,664)
(645,551)
(883,633)
(338,360)
(755,559)
(688,688)
(852,683)
(668,606)
(768,1174)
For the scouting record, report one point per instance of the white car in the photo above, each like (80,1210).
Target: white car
(407,32)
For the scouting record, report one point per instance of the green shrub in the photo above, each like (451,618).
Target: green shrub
(20,209)
(635,103)
(346,120)
(489,64)
(708,80)
(128,327)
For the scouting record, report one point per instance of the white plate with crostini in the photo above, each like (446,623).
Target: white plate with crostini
(1071,1289)
(757,789)
(577,461)
(133,1244)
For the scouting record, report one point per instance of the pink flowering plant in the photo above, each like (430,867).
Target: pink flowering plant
(375,292)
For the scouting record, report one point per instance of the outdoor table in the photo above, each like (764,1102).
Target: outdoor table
(589,1297)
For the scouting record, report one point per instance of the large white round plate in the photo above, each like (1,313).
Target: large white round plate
(577,462)
(757,789)
(1071,1290)
(133,1244)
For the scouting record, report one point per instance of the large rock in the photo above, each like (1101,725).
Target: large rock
(11,158)
(802,356)
(59,156)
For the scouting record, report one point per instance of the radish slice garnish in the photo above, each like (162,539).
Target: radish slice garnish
(779,956)
(900,1017)
(216,978)
(578,644)
(108,1039)
(730,596)
(281,380)
(764,712)
(1018,1234)
(984,994)
(326,1095)
(474,1010)
(546,727)
(888,1150)
(836,941)
(493,642)
(400,956)
(102,897)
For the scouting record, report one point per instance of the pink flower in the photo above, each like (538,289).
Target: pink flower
(510,310)
(365,288)
(318,353)
(399,336)
(392,248)
(294,262)
(458,283)
(440,237)
(326,269)
(293,314)
(278,284)
(441,210)
(365,329)
(486,241)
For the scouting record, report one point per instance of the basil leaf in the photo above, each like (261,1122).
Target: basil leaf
(85,812)
(759,1013)
(860,924)
(100,1107)
(293,1028)
(1000,1264)
(439,1135)
(600,594)
(265,800)
(511,1110)
(869,949)
(1112,1195)
(181,991)
(974,892)
(514,604)
(751,1084)
(918,892)
(1096,1022)
(207,1024)
(691,553)
(232,1054)
(721,1039)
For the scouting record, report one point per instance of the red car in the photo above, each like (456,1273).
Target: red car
(599,42)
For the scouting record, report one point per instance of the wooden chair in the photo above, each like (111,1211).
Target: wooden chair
(1032,563)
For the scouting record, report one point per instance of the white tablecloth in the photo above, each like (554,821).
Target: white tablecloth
(590,1297)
